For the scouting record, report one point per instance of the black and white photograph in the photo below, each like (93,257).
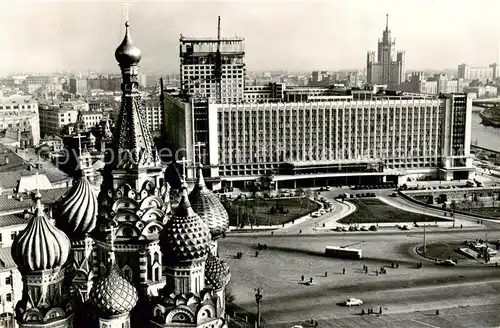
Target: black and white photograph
(249,164)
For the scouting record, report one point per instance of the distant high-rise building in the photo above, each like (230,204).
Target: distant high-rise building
(78,86)
(482,74)
(389,67)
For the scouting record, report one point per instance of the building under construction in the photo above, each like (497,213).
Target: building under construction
(213,68)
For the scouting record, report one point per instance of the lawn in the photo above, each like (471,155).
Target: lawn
(375,211)
(258,211)
(443,251)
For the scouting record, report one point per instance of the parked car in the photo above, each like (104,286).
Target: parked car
(353,302)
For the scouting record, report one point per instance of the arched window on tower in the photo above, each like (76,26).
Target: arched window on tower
(157,257)
(157,273)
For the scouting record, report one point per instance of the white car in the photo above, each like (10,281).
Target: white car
(353,302)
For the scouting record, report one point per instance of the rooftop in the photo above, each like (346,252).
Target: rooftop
(17,167)
(13,219)
(210,39)
(8,203)
(16,99)
(15,162)
(6,261)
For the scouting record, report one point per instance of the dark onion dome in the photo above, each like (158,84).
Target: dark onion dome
(208,206)
(185,236)
(217,272)
(76,212)
(113,294)
(40,246)
(127,53)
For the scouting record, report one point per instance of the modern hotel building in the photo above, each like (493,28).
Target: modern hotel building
(311,136)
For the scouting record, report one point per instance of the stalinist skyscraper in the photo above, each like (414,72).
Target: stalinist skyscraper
(389,67)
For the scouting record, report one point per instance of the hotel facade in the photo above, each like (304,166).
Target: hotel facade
(293,137)
(345,141)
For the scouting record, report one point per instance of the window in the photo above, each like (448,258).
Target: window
(13,235)
(8,297)
(8,281)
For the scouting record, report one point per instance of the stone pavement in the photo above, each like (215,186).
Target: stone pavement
(483,316)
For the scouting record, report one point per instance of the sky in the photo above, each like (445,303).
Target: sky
(306,35)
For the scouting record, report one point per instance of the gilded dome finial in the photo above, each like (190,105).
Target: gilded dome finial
(127,53)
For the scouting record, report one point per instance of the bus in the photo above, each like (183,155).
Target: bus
(341,252)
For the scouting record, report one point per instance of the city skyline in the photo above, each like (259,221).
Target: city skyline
(458,33)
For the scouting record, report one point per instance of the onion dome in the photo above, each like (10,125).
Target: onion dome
(40,246)
(127,53)
(76,213)
(217,272)
(185,236)
(113,294)
(208,206)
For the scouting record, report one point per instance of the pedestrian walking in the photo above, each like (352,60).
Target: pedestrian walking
(326,273)
(256,253)
(302,278)
(310,280)
(343,271)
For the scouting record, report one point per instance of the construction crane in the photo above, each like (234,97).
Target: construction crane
(359,242)
(218,67)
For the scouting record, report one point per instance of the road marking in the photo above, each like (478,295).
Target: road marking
(425,324)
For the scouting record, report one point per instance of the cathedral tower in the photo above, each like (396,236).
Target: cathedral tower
(134,196)
(76,215)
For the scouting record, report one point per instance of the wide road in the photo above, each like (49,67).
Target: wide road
(322,305)
(286,299)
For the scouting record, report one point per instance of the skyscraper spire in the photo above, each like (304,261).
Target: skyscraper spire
(387,22)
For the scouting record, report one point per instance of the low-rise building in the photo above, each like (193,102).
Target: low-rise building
(20,114)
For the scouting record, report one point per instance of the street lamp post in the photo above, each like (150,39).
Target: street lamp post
(425,242)
(258,298)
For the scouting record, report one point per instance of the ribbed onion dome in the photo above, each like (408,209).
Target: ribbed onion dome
(185,236)
(40,246)
(76,213)
(113,294)
(217,272)
(127,53)
(208,206)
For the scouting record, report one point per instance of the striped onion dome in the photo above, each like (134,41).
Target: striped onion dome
(208,206)
(185,236)
(76,213)
(40,246)
(113,294)
(217,272)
